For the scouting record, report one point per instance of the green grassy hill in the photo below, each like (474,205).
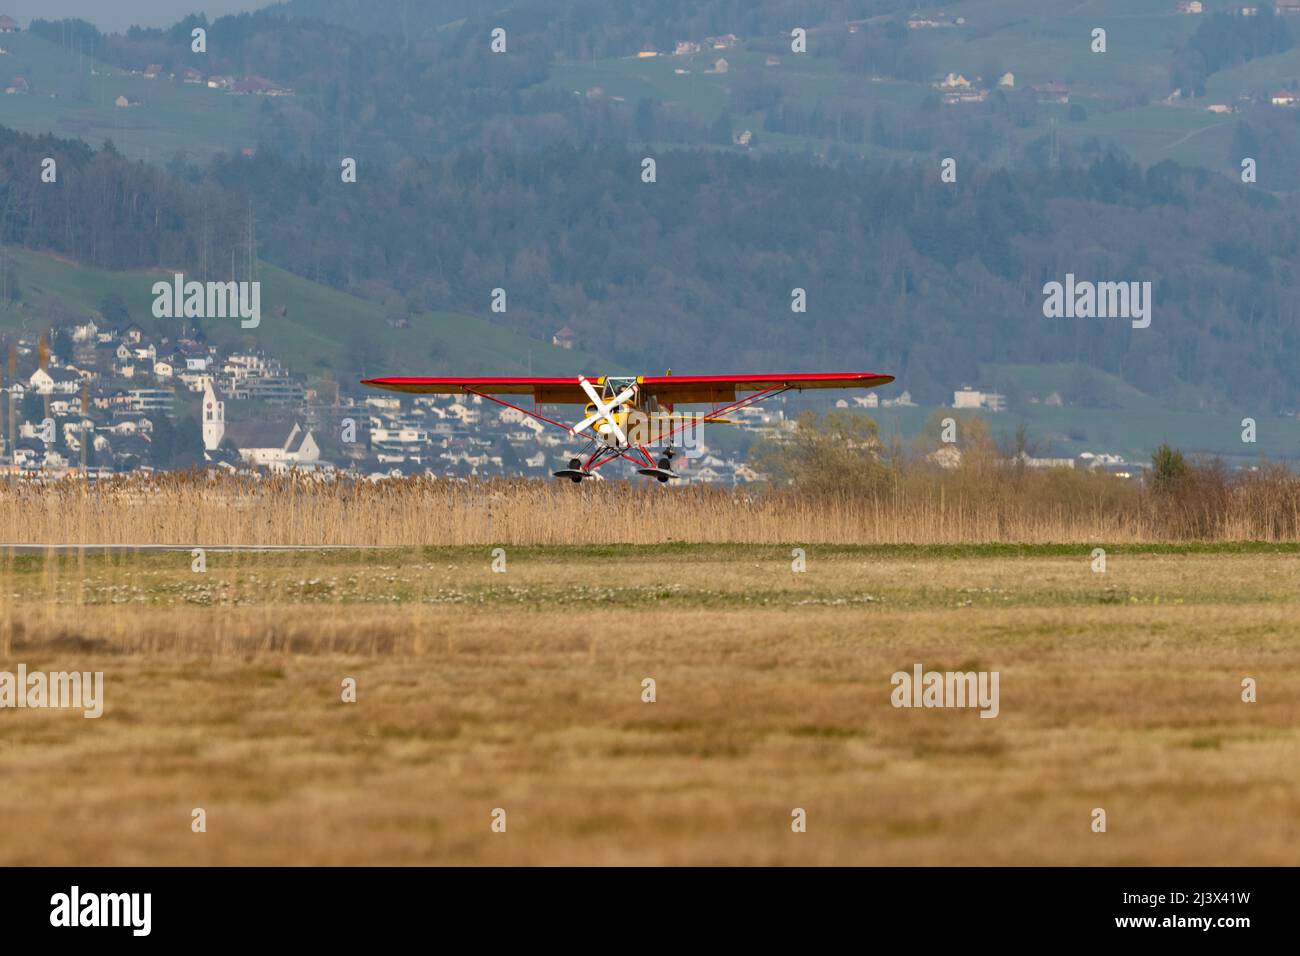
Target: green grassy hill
(1265,75)
(1039,41)
(73,96)
(323,332)
(1122,421)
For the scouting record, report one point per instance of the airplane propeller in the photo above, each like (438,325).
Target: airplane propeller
(603,410)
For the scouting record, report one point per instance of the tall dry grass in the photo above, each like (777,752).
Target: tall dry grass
(919,506)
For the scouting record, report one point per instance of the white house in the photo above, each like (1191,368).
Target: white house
(967,397)
(50,381)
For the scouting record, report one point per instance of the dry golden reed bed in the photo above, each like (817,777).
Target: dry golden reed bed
(913,508)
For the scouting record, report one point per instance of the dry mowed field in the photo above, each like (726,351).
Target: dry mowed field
(522,690)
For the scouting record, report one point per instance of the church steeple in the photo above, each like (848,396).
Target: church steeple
(214,418)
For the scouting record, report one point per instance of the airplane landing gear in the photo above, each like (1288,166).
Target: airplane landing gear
(663,469)
(575,472)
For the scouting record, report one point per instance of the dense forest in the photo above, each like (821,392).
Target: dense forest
(583,29)
(1225,39)
(902,272)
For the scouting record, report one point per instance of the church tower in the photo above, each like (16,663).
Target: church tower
(214,418)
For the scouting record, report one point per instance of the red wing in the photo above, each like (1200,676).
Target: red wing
(545,391)
(713,389)
(722,389)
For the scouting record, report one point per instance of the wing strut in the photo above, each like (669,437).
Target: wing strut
(600,444)
(736,406)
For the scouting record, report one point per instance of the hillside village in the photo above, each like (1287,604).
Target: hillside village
(100,399)
(97,399)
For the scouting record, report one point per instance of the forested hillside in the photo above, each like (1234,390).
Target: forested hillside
(901,271)
(479,171)
(593,28)
(1225,40)
(392,78)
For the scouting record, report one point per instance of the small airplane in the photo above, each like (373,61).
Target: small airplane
(626,416)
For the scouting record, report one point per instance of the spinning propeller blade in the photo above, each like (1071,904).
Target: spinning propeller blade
(602,410)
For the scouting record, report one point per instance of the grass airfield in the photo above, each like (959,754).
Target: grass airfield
(522,690)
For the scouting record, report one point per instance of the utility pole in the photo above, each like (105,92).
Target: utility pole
(252,246)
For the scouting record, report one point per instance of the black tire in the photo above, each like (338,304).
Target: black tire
(665,464)
(575,463)
(576,480)
(663,479)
